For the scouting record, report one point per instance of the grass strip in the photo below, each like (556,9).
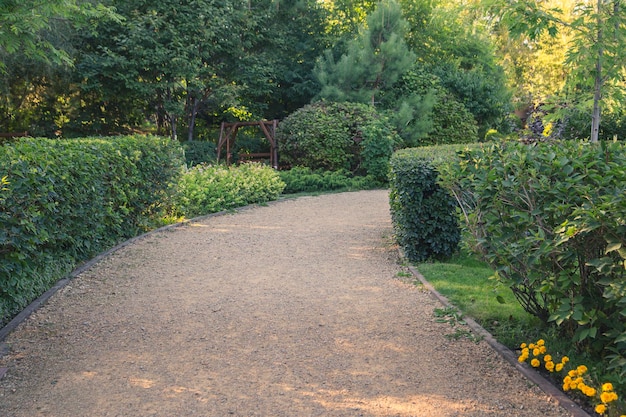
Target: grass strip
(468,284)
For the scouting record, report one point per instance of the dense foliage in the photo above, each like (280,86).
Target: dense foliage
(65,201)
(423,213)
(199,152)
(205,189)
(306,180)
(337,136)
(550,219)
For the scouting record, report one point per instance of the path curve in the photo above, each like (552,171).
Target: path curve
(290,309)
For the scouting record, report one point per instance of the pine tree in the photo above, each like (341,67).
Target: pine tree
(374,61)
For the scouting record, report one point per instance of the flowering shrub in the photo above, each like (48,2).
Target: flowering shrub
(603,398)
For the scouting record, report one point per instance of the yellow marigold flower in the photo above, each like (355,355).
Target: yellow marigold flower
(536,352)
(600,409)
(582,387)
(540,342)
(531,346)
(564,359)
(567,379)
(535,363)
(572,373)
(607,387)
(522,358)
(547,358)
(565,386)
(607,397)
(559,367)
(542,350)
(581,369)
(590,392)
(550,366)
(522,346)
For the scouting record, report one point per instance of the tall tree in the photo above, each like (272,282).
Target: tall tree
(291,38)
(37,53)
(27,27)
(595,53)
(178,56)
(374,61)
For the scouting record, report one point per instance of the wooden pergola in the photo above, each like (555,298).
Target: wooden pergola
(228,134)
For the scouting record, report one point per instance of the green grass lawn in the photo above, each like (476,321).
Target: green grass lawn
(469,285)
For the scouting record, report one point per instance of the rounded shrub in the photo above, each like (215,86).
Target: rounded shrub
(452,123)
(337,136)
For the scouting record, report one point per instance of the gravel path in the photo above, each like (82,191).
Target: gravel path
(290,309)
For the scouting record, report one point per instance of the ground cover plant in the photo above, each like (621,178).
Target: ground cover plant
(469,285)
(205,189)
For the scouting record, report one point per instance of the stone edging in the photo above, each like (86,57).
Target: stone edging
(42,299)
(532,375)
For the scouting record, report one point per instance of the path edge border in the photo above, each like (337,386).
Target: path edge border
(544,384)
(42,299)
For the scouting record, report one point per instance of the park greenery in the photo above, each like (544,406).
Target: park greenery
(548,221)
(481,116)
(436,69)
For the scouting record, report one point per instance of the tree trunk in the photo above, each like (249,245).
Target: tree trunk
(192,119)
(597,89)
(174,127)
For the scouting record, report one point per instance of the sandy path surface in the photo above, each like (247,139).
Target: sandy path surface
(291,309)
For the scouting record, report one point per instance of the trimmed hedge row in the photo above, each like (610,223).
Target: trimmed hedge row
(66,200)
(423,214)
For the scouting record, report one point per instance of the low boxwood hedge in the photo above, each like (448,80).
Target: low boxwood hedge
(424,215)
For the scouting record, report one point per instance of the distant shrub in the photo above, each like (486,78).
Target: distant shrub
(452,123)
(205,189)
(337,136)
(199,152)
(302,179)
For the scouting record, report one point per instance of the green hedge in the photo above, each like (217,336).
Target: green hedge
(67,200)
(305,180)
(205,189)
(424,215)
(551,219)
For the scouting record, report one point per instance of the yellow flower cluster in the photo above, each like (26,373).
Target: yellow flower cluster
(538,349)
(575,378)
(607,396)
